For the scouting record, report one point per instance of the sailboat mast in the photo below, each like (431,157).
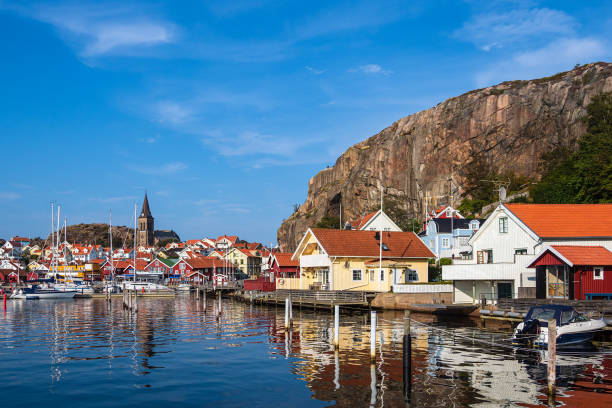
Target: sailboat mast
(110,231)
(52,235)
(57,232)
(135,241)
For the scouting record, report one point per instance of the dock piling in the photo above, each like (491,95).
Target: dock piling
(4,301)
(552,359)
(286,314)
(373,336)
(336,327)
(407,357)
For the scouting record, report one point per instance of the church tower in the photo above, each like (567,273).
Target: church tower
(144,233)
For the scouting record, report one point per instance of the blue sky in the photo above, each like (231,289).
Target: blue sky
(224,110)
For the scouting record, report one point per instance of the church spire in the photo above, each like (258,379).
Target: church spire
(146,212)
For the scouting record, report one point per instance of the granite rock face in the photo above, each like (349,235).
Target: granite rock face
(511,124)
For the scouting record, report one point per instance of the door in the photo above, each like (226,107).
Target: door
(504,290)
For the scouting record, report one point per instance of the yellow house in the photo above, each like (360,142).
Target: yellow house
(247,260)
(359,260)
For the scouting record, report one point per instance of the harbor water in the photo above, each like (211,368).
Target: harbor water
(92,353)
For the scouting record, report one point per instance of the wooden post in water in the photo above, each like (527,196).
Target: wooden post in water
(286,314)
(4,301)
(336,327)
(135,305)
(372,336)
(552,358)
(204,298)
(407,357)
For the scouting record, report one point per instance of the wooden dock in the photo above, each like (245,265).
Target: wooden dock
(313,299)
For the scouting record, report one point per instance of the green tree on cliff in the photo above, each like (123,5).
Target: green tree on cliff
(586,175)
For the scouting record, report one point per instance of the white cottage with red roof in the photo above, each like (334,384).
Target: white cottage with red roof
(505,245)
(375,221)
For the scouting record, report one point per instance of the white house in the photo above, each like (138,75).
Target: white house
(375,221)
(506,243)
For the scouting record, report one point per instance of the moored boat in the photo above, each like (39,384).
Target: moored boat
(183,287)
(573,329)
(36,292)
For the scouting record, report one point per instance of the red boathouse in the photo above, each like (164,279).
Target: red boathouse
(573,272)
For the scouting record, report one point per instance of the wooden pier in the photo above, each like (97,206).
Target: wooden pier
(314,299)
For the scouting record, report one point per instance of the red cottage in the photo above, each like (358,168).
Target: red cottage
(574,271)
(282,266)
(182,268)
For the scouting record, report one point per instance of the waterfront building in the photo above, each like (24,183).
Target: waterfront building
(374,221)
(448,237)
(146,225)
(247,260)
(358,260)
(506,243)
(225,241)
(281,265)
(573,272)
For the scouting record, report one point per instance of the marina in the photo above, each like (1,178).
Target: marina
(195,351)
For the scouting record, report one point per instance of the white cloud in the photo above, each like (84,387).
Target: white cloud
(165,169)
(557,56)
(171,112)
(254,143)
(104,29)
(494,30)
(371,69)
(314,70)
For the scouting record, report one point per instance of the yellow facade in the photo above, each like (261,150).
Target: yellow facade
(359,273)
(238,258)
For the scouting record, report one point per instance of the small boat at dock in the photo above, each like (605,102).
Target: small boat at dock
(184,287)
(573,329)
(36,292)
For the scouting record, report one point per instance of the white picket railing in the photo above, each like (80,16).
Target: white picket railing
(422,288)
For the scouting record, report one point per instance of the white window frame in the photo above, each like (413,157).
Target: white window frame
(360,274)
(407,273)
(382,275)
(503,225)
(601,275)
(445,242)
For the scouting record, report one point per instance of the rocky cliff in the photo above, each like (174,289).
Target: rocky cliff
(510,124)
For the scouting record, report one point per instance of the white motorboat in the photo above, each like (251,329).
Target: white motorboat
(184,287)
(146,286)
(80,289)
(36,292)
(573,329)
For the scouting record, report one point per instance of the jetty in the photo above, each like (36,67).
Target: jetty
(313,299)
(514,310)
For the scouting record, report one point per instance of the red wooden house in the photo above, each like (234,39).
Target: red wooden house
(282,266)
(575,271)
(182,268)
(159,266)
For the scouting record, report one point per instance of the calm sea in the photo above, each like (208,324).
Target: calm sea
(173,352)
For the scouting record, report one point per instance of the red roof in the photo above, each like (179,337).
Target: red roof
(208,262)
(284,259)
(363,220)
(231,238)
(565,220)
(364,243)
(585,255)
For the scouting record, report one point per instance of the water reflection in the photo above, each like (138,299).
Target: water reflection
(231,354)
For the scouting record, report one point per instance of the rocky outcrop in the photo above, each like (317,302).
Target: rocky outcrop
(511,124)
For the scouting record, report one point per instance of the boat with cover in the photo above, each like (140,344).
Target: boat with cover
(573,328)
(184,287)
(147,286)
(38,292)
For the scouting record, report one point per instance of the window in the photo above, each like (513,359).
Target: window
(371,275)
(598,272)
(489,255)
(480,257)
(445,242)
(411,275)
(521,251)
(503,225)
(382,275)
(242,262)
(356,274)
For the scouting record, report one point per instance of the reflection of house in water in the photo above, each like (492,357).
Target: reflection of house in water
(501,378)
